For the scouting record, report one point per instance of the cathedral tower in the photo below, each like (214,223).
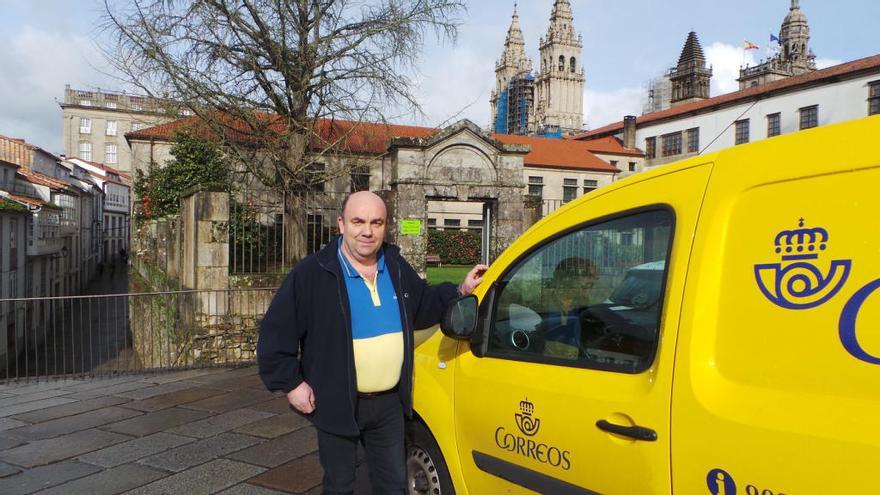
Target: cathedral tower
(794,40)
(559,86)
(513,97)
(794,57)
(690,78)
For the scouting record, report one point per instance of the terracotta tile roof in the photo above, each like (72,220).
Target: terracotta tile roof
(104,178)
(344,135)
(107,168)
(612,146)
(557,153)
(811,78)
(374,138)
(33,201)
(44,180)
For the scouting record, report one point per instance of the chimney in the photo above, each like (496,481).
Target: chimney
(629,132)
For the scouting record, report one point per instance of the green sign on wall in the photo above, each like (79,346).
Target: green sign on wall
(411,227)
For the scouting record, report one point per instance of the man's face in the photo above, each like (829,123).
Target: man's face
(362,226)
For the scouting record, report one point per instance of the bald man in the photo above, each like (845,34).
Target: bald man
(338,340)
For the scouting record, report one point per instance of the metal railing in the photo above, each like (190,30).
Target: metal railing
(260,226)
(110,334)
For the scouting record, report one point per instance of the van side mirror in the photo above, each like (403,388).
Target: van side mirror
(460,319)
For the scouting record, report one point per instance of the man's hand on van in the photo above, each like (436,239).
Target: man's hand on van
(472,279)
(302,398)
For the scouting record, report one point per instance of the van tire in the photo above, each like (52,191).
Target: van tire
(426,471)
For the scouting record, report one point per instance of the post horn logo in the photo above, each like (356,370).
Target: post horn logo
(527,424)
(797,282)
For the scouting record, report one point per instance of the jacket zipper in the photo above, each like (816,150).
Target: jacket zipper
(407,337)
(340,288)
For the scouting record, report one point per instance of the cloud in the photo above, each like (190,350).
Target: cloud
(606,107)
(36,65)
(455,85)
(726,61)
(822,63)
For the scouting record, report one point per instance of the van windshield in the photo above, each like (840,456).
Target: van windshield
(640,288)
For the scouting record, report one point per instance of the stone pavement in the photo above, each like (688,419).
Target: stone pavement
(189,432)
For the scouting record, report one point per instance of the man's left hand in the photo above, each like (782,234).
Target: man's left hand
(472,279)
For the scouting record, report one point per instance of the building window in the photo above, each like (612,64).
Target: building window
(809,117)
(632,166)
(110,153)
(774,124)
(13,247)
(475,224)
(432,222)
(590,185)
(613,163)
(313,178)
(111,104)
(360,178)
(651,148)
(85,125)
(85,103)
(111,127)
(693,136)
(572,65)
(569,190)
(742,131)
(536,186)
(85,151)
(671,144)
(561,63)
(874,98)
(136,104)
(451,222)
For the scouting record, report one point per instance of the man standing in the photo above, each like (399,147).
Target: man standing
(338,340)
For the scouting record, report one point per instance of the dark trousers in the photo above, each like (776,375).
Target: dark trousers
(380,420)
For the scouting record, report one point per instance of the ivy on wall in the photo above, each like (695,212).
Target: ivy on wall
(455,247)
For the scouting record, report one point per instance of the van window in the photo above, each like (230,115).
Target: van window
(590,298)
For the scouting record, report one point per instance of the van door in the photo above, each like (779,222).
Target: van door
(777,381)
(572,395)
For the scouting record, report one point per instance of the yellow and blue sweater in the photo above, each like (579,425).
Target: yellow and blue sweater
(377,332)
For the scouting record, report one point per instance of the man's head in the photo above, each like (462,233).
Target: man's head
(362,225)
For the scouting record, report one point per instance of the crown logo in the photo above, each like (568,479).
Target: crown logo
(802,243)
(800,281)
(524,420)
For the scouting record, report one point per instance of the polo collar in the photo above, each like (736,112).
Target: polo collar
(349,269)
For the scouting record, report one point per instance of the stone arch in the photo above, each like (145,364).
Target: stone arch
(461,162)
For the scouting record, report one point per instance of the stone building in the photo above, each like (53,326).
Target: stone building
(550,102)
(835,94)
(459,177)
(95,123)
(794,57)
(690,78)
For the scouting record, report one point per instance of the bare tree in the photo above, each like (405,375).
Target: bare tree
(269,77)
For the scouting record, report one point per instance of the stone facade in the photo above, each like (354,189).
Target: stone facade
(95,123)
(794,58)
(460,163)
(559,85)
(553,98)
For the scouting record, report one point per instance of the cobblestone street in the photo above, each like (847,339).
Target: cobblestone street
(188,432)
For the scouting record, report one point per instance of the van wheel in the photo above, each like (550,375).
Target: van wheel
(426,472)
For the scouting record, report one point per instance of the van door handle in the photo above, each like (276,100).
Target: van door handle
(635,432)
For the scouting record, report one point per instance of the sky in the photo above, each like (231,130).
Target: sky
(50,43)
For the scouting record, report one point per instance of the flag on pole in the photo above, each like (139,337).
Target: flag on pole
(748,45)
(774,38)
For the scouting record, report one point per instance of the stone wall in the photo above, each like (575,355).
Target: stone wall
(196,319)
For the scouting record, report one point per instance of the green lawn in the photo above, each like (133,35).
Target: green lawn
(448,273)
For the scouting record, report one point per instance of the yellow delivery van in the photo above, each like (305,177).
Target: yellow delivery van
(711,327)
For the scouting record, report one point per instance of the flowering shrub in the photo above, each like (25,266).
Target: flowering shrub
(455,246)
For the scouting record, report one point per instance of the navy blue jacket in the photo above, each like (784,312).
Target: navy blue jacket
(306,334)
